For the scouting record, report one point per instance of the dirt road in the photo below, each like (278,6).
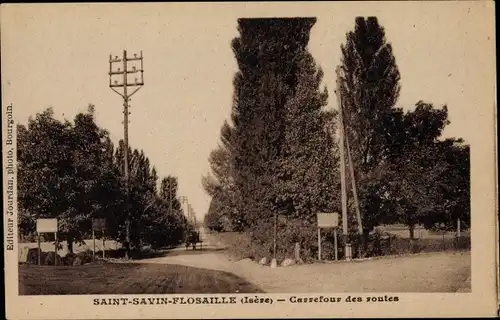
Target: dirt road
(433,272)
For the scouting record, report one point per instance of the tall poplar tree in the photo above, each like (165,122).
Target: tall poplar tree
(266,52)
(370,91)
(281,154)
(403,168)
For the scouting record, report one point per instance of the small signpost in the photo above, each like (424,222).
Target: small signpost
(98,225)
(327,220)
(46,226)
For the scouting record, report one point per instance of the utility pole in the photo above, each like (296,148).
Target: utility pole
(355,194)
(345,137)
(342,171)
(125,84)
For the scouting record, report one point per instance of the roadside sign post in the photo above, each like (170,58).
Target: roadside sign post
(98,225)
(327,220)
(103,251)
(335,244)
(319,243)
(39,249)
(55,248)
(46,226)
(93,242)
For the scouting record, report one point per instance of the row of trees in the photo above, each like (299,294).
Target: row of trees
(278,155)
(73,172)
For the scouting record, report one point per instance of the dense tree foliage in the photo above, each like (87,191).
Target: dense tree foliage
(370,89)
(402,168)
(277,157)
(223,213)
(72,172)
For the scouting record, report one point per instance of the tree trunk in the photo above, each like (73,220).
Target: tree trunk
(411,227)
(364,242)
(412,231)
(70,243)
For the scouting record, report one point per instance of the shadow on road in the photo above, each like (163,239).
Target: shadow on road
(128,278)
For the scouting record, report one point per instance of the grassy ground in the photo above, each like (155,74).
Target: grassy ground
(125,278)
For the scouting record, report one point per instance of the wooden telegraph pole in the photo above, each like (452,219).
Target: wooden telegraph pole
(344,139)
(137,84)
(355,193)
(342,171)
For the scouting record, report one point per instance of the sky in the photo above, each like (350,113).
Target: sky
(56,55)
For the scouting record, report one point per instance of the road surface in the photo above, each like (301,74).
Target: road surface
(431,272)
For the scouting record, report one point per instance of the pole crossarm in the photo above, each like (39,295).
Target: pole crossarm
(134,91)
(121,95)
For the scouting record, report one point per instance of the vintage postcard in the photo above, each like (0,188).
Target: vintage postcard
(249,160)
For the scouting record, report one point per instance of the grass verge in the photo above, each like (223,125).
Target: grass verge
(125,278)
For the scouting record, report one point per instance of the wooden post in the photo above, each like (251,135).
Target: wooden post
(297,253)
(93,247)
(103,251)
(458,227)
(55,249)
(39,249)
(343,191)
(319,244)
(355,194)
(275,234)
(336,245)
(444,245)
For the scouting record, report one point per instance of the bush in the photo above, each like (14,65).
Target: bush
(46,258)
(50,258)
(116,254)
(79,258)
(67,260)
(261,241)
(381,244)
(77,261)
(33,256)
(258,243)
(85,256)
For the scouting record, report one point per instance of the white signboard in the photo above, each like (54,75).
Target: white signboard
(328,219)
(98,224)
(46,225)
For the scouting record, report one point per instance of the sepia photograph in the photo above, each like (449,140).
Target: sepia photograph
(231,154)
